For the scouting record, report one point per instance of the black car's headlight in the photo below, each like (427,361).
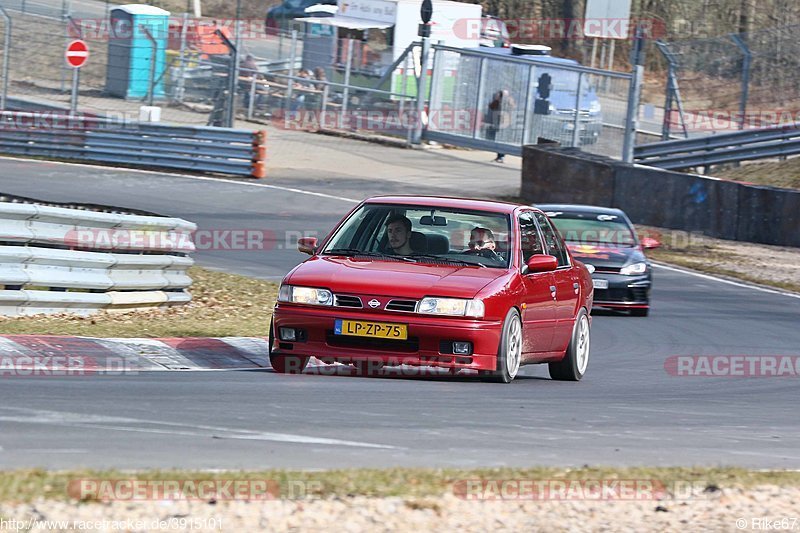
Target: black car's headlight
(633,269)
(305,295)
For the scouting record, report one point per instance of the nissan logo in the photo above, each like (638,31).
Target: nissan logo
(374,303)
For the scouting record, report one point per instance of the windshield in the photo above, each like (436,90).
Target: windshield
(424,235)
(593,229)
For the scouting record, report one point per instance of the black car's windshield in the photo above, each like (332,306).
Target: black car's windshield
(424,235)
(593,229)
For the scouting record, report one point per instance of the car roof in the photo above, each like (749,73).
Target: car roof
(443,201)
(506,52)
(578,208)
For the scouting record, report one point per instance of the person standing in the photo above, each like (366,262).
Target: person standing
(498,116)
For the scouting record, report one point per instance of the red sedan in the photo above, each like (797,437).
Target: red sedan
(442,282)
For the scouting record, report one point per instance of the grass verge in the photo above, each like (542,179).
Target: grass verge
(772,266)
(222,305)
(20,486)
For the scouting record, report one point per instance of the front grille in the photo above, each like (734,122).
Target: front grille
(610,270)
(341,300)
(404,306)
(636,294)
(411,345)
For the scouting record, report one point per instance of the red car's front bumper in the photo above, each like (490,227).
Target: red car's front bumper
(428,338)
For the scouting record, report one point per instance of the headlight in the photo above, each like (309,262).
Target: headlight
(451,307)
(635,268)
(305,295)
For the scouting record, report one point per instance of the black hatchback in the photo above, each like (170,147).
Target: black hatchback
(606,239)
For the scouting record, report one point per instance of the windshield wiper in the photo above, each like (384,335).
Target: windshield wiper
(447,260)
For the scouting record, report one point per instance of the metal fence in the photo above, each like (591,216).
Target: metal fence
(314,80)
(732,82)
(63,260)
(581,106)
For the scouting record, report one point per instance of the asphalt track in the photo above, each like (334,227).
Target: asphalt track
(627,411)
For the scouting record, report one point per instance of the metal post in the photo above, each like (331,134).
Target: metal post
(23,7)
(576,132)
(611,54)
(290,82)
(479,96)
(665,125)
(73,100)
(526,113)
(6,52)
(594,51)
(346,92)
(435,93)
(252,98)
(154,48)
(746,61)
(422,88)
(233,72)
(634,93)
(181,88)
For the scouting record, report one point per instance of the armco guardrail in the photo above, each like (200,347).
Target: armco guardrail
(194,148)
(656,197)
(56,259)
(724,148)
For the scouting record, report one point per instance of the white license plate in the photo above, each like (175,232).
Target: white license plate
(600,283)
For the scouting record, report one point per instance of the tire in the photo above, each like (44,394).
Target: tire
(509,352)
(640,312)
(284,364)
(573,366)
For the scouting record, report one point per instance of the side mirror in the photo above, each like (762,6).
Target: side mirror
(541,263)
(307,245)
(648,243)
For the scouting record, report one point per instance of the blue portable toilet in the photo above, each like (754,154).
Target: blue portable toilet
(130,51)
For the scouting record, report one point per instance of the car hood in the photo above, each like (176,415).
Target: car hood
(392,278)
(601,256)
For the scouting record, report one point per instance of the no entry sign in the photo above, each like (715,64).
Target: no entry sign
(77,53)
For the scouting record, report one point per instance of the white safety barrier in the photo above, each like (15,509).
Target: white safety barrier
(56,260)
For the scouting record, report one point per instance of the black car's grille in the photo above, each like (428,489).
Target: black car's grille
(341,300)
(607,269)
(411,345)
(635,294)
(406,306)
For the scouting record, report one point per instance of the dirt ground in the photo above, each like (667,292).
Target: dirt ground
(775,266)
(722,510)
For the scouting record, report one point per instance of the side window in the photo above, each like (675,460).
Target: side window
(555,246)
(529,237)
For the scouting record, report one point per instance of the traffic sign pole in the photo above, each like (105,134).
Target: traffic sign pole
(76,55)
(73,99)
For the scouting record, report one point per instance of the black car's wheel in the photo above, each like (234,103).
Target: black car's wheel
(640,312)
(509,353)
(573,366)
(284,364)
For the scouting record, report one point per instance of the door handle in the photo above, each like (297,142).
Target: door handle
(576,287)
(553,291)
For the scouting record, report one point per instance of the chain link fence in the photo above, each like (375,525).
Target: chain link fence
(732,82)
(313,77)
(501,102)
